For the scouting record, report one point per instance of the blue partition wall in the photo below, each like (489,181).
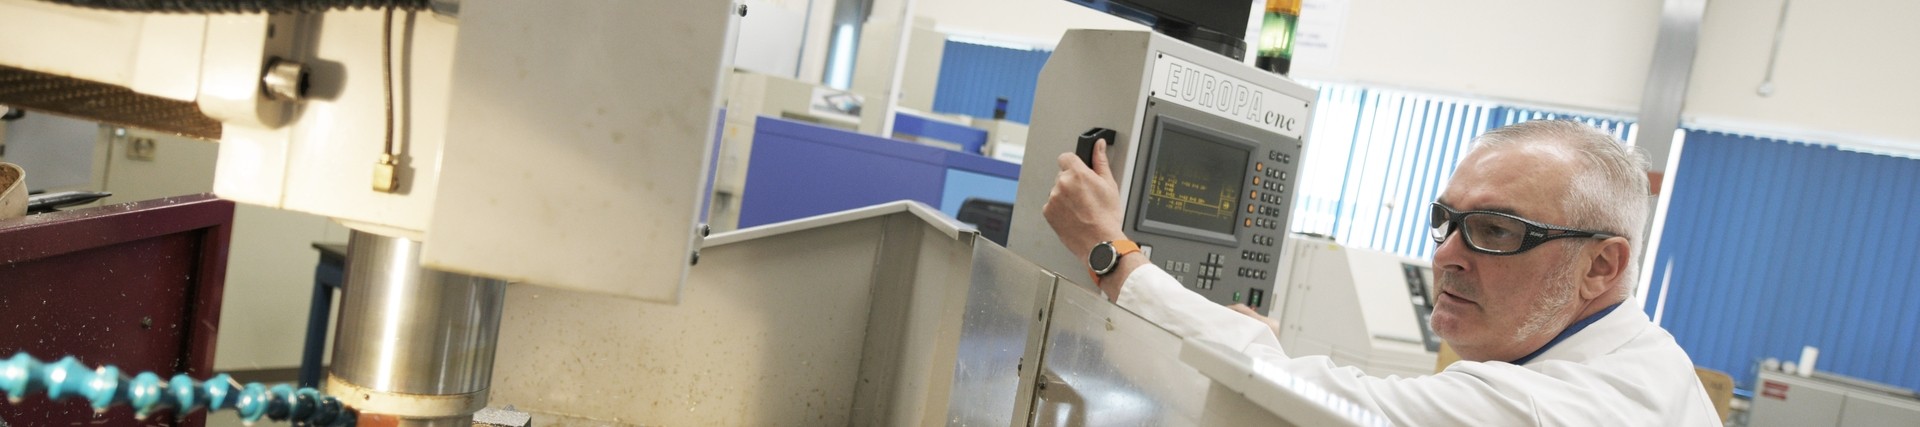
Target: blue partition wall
(797,170)
(972,76)
(1772,245)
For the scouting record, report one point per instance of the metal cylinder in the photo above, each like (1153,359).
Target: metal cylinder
(285,80)
(412,342)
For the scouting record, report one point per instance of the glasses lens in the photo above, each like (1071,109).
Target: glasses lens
(1439,224)
(1494,233)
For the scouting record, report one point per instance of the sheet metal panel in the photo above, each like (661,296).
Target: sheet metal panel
(1003,311)
(593,153)
(769,332)
(1107,367)
(846,319)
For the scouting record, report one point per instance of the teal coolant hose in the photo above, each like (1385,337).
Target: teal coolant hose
(105,387)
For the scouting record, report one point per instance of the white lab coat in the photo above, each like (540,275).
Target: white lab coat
(1622,370)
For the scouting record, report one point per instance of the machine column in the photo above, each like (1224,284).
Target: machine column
(413,343)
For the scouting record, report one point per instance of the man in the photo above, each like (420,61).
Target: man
(1536,235)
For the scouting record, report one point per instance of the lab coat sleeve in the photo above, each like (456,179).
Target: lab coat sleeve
(1495,393)
(1466,393)
(1153,294)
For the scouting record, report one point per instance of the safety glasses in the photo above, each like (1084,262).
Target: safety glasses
(1496,233)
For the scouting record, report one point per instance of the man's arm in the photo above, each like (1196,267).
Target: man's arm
(1156,296)
(1084,209)
(1111,284)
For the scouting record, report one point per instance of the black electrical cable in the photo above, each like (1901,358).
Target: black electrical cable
(241,6)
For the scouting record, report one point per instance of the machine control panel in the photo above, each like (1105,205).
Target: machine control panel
(1420,292)
(1207,152)
(1211,196)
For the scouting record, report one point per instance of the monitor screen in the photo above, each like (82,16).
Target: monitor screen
(1196,180)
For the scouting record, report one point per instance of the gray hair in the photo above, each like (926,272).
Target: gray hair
(1609,192)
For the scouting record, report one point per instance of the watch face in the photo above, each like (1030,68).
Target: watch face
(1101,259)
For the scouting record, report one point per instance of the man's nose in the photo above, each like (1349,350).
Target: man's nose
(1452,253)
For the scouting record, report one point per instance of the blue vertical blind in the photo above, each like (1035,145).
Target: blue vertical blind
(1771,245)
(1375,158)
(973,76)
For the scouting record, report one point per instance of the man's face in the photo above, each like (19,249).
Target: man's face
(1496,305)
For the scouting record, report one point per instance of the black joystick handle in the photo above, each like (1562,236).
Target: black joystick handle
(1088,141)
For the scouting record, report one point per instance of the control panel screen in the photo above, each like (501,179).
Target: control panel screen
(1420,291)
(1195,181)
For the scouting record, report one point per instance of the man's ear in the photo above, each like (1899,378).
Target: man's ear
(1606,262)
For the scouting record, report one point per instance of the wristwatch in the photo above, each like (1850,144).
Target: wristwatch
(1106,255)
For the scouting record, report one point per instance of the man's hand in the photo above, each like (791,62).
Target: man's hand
(1271,324)
(1084,210)
(1084,207)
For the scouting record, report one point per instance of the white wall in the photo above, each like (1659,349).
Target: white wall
(1038,23)
(819,35)
(770,38)
(1015,23)
(56,151)
(1847,71)
(263,315)
(1589,55)
(1845,74)
(270,260)
(920,74)
(179,166)
(1522,50)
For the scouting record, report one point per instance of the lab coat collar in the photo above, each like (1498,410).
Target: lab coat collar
(1612,331)
(1568,332)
